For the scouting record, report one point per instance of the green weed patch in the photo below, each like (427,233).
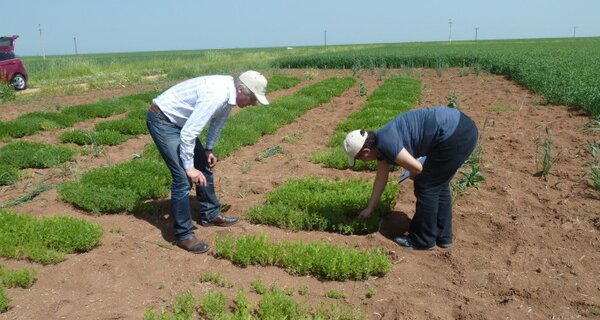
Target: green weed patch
(324,260)
(395,96)
(45,240)
(24,154)
(118,188)
(316,204)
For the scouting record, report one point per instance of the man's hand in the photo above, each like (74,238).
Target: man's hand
(365,214)
(211,158)
(196,176)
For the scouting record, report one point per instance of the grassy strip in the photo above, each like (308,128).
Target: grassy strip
(24,154)
(278,82)
(34,122)
(126,186)
(395,96)
(96,138)
(324,260)
(249,125)
(315,204)
(273,304)
(45,240)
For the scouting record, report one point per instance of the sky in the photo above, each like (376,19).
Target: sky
(106,26)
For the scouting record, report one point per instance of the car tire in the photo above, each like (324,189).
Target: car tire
(19,82)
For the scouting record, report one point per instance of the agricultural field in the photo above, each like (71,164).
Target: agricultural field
(526,213)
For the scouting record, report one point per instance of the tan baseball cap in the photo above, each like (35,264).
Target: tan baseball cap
(257,83)
(353,143)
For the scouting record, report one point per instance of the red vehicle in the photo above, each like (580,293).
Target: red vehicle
(12,69)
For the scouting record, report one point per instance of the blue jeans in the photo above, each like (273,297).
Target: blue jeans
(432,222)
(166,136)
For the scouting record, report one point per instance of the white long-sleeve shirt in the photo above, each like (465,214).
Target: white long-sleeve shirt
(192,104)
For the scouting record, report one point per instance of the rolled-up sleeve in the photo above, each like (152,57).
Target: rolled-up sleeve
(201,115)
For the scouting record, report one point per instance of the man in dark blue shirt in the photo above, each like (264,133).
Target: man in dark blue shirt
(446,137)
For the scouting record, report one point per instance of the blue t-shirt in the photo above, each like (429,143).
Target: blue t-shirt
(416,130)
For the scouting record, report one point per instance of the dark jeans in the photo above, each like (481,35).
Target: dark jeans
(166,136)
(432,222)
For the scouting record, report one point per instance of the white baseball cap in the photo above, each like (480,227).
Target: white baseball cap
(257,83)
(353,143)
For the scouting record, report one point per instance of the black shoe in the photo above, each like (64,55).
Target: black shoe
(192,245)
(407,244)
(444,245)
(220,221)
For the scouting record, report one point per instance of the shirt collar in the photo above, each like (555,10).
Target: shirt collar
(232,94)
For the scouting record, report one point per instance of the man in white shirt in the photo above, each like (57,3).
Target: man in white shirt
(175,120)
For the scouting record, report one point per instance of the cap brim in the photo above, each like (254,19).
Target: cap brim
(262,99)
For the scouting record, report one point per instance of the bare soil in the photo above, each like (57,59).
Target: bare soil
(525,247)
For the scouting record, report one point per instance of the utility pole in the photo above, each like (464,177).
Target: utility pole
(476,28)
(325,32)
(450,36)
(75,42)
(574,31)
(42,42)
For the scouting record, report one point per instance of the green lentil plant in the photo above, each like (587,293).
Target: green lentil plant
(278,82)
(4,300)
(335,294)
(324,260)
(213,304)
(293,139)
(23,278)
(45,240)
(277,305)
(217,279)
(317,204)
(243,305)
(8,174)
(258,286)
(25,154)
(119,188)
(127,126)
(303,290)
(93,138)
